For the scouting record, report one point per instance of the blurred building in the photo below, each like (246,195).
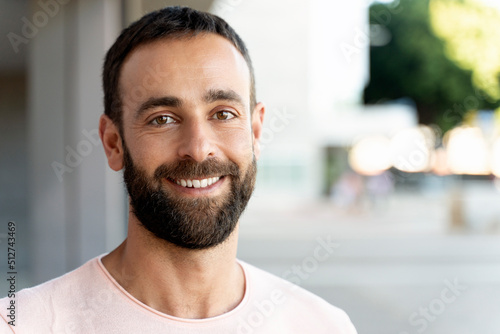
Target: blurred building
(311,61)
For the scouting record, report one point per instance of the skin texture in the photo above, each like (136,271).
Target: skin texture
(178,281)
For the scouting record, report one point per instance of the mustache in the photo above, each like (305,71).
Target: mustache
(189,169)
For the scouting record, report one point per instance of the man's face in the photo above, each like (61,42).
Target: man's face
(188,145)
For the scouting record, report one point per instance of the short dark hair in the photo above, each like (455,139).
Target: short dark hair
(170,22)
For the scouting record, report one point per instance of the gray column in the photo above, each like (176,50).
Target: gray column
(77,206)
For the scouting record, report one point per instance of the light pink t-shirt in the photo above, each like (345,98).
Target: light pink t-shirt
(88,300)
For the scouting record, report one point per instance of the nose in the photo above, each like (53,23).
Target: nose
(197,141)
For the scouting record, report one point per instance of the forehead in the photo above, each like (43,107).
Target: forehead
(183,68)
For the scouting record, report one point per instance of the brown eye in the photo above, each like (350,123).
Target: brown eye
(161,120)
(223,115)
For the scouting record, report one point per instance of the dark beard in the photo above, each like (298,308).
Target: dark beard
(188,223)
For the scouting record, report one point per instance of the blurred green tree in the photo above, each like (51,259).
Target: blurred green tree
(413,63)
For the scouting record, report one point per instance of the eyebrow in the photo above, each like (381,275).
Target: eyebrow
(214,95)
(164,101)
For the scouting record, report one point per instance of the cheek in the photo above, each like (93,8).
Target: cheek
(238,144)
(147,150)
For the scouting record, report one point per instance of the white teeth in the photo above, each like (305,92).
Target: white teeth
(203,183)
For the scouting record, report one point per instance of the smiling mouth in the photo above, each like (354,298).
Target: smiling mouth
(197,183)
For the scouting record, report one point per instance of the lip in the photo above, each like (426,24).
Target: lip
(211,190)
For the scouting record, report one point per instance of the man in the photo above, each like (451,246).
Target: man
(181,119)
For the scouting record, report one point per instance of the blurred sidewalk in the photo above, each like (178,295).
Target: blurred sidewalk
(391,265)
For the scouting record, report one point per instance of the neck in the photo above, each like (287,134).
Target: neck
(180,282)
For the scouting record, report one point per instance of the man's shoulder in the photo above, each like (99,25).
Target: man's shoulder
(292,301)
(262,280)
(44,300)
(74,281)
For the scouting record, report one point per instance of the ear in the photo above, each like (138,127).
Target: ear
(112,142)
(257,124)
